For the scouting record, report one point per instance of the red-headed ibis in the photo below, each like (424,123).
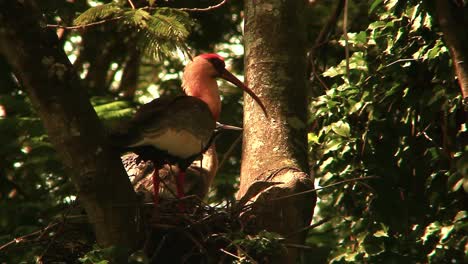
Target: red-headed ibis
(176,130)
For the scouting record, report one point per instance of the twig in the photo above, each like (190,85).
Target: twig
(324,187)
(312,226)
(245,254)
(398,61)
(158,248)
(131,4)
(86,25)
(204,9)
(321,40)
(59,229)
(298,246)
(230,254)
(22,238)
(229,151)
(345,33)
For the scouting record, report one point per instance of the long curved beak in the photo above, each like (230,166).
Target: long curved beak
(221,127)
(226,75)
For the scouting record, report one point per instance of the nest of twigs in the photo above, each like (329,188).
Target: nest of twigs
(200,233)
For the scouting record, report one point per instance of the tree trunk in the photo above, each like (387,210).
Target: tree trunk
(275,147)
(73,127)
(453,24)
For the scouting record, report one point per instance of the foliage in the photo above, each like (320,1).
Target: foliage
(398,117)
(161,31)
(109,255)
(264,246)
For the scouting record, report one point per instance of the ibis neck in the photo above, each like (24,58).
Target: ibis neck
(205,88)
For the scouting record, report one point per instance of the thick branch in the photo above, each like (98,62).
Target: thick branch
(71,123)
(452,22)
(275,148)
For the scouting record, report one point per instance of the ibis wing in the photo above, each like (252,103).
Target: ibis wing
(154,109)
(181,125)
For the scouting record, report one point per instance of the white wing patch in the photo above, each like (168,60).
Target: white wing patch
(179,143)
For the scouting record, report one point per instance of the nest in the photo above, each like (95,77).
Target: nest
(175,231)
(200,234)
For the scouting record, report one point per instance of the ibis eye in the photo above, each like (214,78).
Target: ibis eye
(218,64)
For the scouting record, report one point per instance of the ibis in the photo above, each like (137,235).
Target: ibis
(175,130)
(199,175)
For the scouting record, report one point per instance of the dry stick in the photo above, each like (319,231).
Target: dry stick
(230,254)
(245,254)
(40,232)
(324,187)
(204,9)
(131,4)
(22,238)
(345,33)
(398,61)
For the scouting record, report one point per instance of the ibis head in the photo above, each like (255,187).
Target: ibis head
(200,81)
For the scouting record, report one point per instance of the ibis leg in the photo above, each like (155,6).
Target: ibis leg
(180,183)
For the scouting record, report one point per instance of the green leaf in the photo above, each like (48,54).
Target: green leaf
(445,233)
(432,230)
(341,128)
(332,72)
(374,5)
(99,13)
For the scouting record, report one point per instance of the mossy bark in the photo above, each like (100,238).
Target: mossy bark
(275,147)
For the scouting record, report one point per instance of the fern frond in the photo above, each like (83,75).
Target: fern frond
(161,33)
(167,32)
(98,13)
(136,19)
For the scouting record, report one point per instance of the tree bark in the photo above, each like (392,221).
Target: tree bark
(275,148)
(453,23)
(73,127)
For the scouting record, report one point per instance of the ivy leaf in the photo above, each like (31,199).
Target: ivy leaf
(374,4)
(341,128)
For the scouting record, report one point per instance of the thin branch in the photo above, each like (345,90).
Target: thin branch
(23,238)
(298,246)
(204,9)
(131,4)
(133,7)
(229,151)
(86,25)
(398,61)
(345,33)
(327,186)
(321,40)
(230,254)
(309,227)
